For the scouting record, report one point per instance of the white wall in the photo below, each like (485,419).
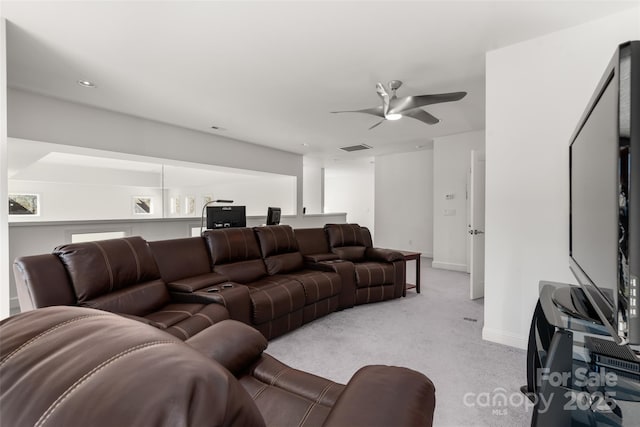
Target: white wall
(313,185)
(404,201)
(451,163)
(536,92)
(68,123)
(73,201)
(349,187)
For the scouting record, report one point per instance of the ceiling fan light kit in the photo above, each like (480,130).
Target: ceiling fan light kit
(394,108)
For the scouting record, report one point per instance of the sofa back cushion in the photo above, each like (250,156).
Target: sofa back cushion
(366,237)
(347,241)
(180,258)
(312,241)
(344,235)
(103,270)
(41,281)
(235,253)
(279,248)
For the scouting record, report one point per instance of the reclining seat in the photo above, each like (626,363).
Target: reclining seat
(185,265)
(219,377)
(75,366)
(314,247)
(121,276)
(380,273)
(281,256)
(277,302)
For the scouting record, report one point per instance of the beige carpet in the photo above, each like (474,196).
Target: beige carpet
(438,333)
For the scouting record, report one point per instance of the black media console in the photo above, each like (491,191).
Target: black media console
(576,374)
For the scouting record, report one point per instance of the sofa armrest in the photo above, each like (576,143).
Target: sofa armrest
(383,255)
(234,296)
(329,256)
(328,265)
(231,343)
(385,396)
(192,284)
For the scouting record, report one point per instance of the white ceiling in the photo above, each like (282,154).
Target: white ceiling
(271,72)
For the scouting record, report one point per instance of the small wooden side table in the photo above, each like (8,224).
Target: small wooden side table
(413,256)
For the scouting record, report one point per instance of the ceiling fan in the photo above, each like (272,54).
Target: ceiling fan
(394,108)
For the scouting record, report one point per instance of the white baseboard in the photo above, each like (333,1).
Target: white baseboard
(505,338)
(449,266)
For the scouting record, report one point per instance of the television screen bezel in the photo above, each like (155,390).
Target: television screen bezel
(614,315)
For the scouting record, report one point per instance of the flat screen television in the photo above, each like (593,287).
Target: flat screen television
(226,216)
(273,216)
(604,163)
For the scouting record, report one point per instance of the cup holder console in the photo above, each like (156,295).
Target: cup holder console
(219,288)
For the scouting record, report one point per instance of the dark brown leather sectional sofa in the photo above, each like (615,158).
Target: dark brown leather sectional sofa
(273,278)
(172,356)
(75,366)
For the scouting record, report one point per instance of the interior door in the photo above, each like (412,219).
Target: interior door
(476,224)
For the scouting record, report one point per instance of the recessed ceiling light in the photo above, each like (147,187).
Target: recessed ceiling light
(304,144)
(86,83)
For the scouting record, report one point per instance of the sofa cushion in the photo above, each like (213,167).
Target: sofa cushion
(181,258)
(235,253)
(366,237)
(186,320)
(318,285)
(98,268)
(279,248)
(344,235)
(308,399)
(284,263)
(273,297)
(242,271)
(312,241)
(374,274)
(139,300)
(231,245)
(41,281)
(276,239)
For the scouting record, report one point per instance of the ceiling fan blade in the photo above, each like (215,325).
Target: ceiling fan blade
(377,124)
(421,115)
(376,111)
(401,105)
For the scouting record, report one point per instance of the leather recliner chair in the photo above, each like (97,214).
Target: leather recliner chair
(379,273)
(80,366)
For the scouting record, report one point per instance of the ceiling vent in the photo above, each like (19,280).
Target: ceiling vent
(356,147)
